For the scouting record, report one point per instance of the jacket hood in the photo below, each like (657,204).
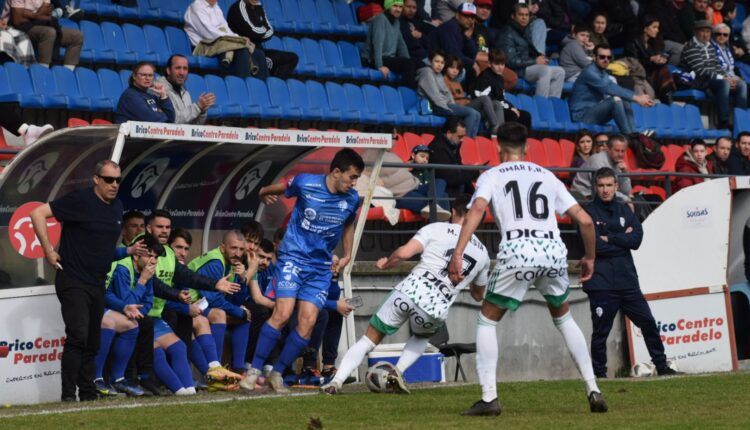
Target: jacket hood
(568,39)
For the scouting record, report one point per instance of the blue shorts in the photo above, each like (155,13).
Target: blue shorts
(161,328)
(305,283)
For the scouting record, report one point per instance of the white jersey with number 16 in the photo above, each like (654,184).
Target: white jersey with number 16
(524,198)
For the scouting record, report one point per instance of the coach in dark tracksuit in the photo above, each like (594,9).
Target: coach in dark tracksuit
(614,285)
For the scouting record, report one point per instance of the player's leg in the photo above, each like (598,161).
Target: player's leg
(166,343)
(635,307)
(240,334)
(218,321)
(296,342)
(107,336)
(604,307)
(122,349)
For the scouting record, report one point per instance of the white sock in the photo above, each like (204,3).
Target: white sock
(413,349)
(576,343)
(213,364)
(72,67)
(487,353)
(352,358)
(190,390)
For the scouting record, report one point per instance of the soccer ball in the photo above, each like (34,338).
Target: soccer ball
(377,377)
(643,369)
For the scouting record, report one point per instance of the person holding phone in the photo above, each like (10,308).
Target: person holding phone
(144,99)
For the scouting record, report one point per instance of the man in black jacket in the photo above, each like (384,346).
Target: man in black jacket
(446,150)
(247,18)
(739,156)
(614,285)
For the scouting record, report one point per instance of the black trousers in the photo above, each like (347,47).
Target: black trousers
(10,117)
(82,308)
(331,338)
(403,66)
(260,314)
(604,306)
(282,62)
(142,360)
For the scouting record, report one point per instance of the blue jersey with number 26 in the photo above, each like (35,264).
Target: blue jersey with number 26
(317,221)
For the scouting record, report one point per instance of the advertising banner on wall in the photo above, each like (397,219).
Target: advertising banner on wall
(32,336)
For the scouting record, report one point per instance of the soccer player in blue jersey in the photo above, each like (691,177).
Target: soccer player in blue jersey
(324,213)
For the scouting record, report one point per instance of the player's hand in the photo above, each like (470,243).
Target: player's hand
(604,238)
(148,272)
(239,268)
(247,313)
(252,263)
(226,286)
(194,310)
(133,311)
(343,261)
(53,258)
(628,230)
(380,264)
(343,307)
(267,199)
(455,268)
(184,296)
(138,249)
(587,268)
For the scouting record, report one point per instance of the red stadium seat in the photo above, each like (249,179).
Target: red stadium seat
(427,138)
(568,151)
(4,145)
(555,156)
(413,140)
(99,121)
(487,151)
(659,191)
(535,152)
(401,148)
(77,122)
(673,154)
(470,152)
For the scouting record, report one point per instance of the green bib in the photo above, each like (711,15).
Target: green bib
(165,267)
(197,263)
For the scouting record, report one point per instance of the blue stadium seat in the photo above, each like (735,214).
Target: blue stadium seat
(394,105)
(325,9)
(650,118)
(321,24)
(356,101)
(318,98)
(345,15)
(562,115)
(66,81)
(146,11)
(411,103)
(279,96)
(275,14)
(527,104)
(196,84)
(303,66)
(263,105)
(274,43)
(114,39)
(217,86)
(125,78)
(664,121)
(680,124)
(351,57)
(238,95)
(314,57)
(332,57)
(157,42)
(169,10)
(67,23)
(94,49)
(44,84)
(337,99)
(136,42)
(301,99)
(20,92)
(293,15)
(88,84)
(179,43)
(547,114)
(102,8)
(376,104)
(111,85)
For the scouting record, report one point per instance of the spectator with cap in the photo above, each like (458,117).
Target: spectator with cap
(385,48)
(454,37)
(525,60)
(596,98)
(693,161)
(144,100)
(719,157)
(421,155)
(186,111)
(700,57)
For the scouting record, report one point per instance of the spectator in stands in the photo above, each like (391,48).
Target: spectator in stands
(699,56)
(714,12)
(385,48)
(446,150)
(691,14)
(600,143)
(421,155)
(525,60)
(693,161)
(666,12)
(491,82)
(34,17)
(144,100)
(491,111)
(577,52)
(725,52)
(622,23)
(739,157)
(430,84)
(133,225)
(91,220)
(720,156)
(414,30)
(485,37)
(599,29)
(596,98)
(211,36)
(584,148)
(444,10)
(557,21)
(614,286)
(614,158)
(186,111)
(15,45)
(648,48)
(248,19)
(10,119)
(455,37)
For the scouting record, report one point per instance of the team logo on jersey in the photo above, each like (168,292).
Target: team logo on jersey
(251,179)
(622,222)
(310,214)
(148,177)
(343,205)
(36,171)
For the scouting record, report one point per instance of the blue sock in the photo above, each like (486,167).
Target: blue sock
(266,342)
(121,351)
(104,344)
(208,345)
(178,358)
(240,337)
(293,347)
(218,330)
(198,358)
(164,372)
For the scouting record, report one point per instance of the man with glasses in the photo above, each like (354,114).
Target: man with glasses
(91,220)
(596,98)
(700,57)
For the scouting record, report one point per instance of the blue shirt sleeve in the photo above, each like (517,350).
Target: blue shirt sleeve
(179,307)
(119,294)
(292,187)
(146,295)
(601,82)
(120,253)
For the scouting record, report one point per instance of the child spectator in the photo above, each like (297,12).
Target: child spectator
(421,155)
(577,52)
(492,112)
(490,83)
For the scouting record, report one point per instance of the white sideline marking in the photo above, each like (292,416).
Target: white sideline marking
(151,404)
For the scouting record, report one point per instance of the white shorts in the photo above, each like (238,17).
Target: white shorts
(507,287)
(399,308)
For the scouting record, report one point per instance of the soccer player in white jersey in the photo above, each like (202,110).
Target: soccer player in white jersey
(424,297)
(524,198)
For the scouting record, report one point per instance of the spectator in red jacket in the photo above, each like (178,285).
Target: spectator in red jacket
(694,161)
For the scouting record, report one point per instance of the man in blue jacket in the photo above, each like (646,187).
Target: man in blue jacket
(451,37)
(614,285)
(597,98)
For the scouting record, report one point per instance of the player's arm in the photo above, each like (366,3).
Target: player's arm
(348,243)
(39,218)
(403,252)
(258,297)
(588,233)
(471,222)
(270,193)
(197,281)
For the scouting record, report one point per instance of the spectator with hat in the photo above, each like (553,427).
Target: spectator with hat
(454,37)
(420,154)
(385,48)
